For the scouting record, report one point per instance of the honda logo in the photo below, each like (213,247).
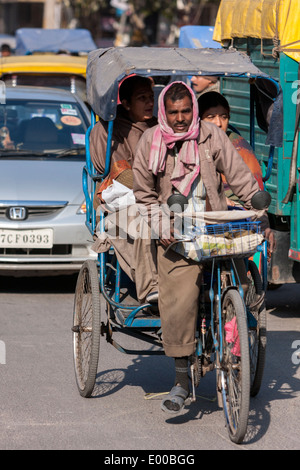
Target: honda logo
(17,213)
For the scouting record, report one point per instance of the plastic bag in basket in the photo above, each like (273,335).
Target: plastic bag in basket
(205,245)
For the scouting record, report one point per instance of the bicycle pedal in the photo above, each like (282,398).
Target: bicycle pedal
(189,400)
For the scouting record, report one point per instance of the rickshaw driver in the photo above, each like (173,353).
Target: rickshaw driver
(137,258)
(181,153)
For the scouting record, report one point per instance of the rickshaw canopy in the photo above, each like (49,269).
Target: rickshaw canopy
(278,20)
(107,67)
(74,41)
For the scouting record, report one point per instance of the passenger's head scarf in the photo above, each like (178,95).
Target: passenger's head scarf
(187,165)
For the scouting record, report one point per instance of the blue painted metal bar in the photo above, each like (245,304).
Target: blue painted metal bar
(235,279)
(212,298)
(108,148)
(252,120)
(220,311)
(118,282)
(270,164)
(143,322)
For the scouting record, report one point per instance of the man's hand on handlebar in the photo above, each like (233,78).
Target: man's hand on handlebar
(168,241)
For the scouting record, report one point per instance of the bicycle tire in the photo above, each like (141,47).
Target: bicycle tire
(258,332)
(86,328)
(234,366)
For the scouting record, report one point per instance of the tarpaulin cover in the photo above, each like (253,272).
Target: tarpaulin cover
(107,67)
(30,40)
(263,19)
(197,36)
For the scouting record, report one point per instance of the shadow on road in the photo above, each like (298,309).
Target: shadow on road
(40,285)
(280,382)
(154,374)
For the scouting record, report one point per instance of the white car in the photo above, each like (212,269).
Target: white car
(42,205)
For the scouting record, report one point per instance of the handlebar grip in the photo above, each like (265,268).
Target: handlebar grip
(261,200)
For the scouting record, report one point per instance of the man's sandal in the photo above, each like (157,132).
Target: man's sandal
(174,401)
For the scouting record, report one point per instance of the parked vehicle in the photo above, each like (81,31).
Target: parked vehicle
(50,70)
(40,40)
(49,57)
(42,209)
(195,37)
(268,32)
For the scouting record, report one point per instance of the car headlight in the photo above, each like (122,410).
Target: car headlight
(82,209)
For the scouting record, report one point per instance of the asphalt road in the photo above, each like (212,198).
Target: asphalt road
(41,409)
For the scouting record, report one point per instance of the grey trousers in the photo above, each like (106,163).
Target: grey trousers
(137,259)
(135,251)
(179,281)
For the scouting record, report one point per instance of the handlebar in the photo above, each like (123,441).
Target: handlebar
(260,200)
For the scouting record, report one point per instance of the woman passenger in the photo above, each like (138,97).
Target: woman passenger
(213,107)
(134,115)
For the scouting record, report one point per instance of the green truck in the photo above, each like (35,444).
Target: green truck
(266,30)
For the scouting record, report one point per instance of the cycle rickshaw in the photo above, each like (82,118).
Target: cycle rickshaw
(103,304)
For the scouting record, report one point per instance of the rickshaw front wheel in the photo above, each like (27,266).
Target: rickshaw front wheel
(86,328)
(234,363)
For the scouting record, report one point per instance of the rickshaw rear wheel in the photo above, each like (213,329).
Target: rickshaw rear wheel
(86,328)
(257,332)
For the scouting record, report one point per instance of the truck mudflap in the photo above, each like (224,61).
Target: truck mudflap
(282,269)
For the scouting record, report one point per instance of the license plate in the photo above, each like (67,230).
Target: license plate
(42,238)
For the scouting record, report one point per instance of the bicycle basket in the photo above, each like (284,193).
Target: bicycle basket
(235,239)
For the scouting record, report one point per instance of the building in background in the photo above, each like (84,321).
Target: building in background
(121,22)
(29,14)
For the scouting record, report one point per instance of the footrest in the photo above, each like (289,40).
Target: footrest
(143,318)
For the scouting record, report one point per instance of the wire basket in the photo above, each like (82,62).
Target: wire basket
(229,240)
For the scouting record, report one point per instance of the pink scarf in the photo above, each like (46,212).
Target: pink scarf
(187,166)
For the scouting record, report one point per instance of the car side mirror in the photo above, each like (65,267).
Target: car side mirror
(261,200)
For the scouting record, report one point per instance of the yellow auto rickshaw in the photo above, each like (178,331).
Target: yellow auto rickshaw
(55,58)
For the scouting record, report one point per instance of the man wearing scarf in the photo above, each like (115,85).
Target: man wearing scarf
(185,155)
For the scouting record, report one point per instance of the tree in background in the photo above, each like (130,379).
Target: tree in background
(137,22)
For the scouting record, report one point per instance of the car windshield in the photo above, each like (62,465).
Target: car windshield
(41,127)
